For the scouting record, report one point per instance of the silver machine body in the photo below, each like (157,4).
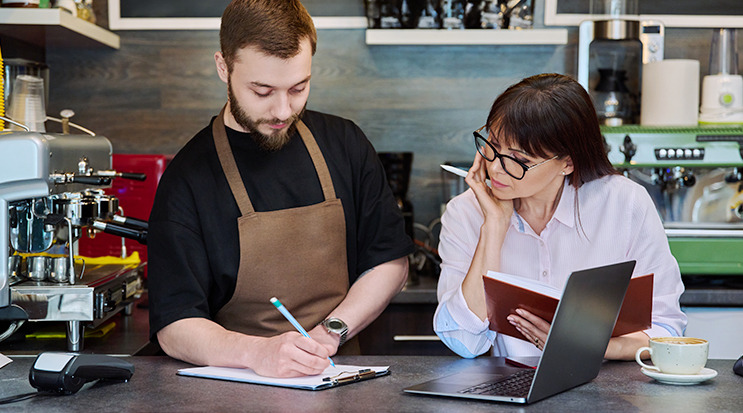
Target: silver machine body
(51,186)
(695,178)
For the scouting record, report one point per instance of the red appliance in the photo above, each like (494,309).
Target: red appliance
(135,198)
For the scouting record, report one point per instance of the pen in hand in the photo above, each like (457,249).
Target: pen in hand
(275,301)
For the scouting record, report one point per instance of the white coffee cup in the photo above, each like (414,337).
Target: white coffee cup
(675,355)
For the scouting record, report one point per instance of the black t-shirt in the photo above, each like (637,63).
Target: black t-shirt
(193,242)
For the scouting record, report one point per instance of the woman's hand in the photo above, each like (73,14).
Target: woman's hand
(497,214)
(496,211)
(624,347)
(533,328)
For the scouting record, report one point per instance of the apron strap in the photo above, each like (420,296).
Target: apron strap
(227,160)
(320,166)
(224,152)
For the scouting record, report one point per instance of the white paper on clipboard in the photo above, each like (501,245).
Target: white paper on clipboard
(331,377)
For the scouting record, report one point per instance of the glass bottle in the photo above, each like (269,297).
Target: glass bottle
(85,10)
(373,17)
(430,17)
(453,12)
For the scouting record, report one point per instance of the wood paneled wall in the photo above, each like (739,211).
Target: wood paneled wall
(161,87)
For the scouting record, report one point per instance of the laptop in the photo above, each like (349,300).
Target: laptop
(573,352)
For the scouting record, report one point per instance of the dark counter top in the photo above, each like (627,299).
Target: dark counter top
(712,297)
(699,295)
(620,387)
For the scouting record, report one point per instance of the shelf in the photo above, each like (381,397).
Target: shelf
(53,27)
(466,37)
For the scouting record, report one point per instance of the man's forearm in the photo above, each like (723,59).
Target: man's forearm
(370,294)
(203,342)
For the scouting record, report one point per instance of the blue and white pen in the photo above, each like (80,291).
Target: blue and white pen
(275,301)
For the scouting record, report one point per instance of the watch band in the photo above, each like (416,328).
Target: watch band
(343,337)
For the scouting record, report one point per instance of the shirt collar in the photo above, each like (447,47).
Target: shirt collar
(565,212)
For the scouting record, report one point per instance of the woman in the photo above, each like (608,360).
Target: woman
(554,205)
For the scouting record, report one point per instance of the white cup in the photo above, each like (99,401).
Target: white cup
(675,355)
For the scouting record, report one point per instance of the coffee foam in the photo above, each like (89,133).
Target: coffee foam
(678,340)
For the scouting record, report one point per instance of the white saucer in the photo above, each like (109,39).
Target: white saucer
(681,379)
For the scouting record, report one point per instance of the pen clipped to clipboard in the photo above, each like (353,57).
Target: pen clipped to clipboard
(351,376)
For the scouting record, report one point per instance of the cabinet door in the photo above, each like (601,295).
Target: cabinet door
(403,329)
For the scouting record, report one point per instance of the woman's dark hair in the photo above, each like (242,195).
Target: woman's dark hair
(551,114)
(275,27)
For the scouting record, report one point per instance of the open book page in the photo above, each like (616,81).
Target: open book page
(505,293)
(332,376)
(526,283)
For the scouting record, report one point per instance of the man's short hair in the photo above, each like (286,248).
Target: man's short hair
(275,27)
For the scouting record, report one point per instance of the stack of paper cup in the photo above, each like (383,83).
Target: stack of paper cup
(27,103)
(670,93)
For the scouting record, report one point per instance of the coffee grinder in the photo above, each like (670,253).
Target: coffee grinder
(611,50)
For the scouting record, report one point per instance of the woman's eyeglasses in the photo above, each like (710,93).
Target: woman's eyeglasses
(511,165)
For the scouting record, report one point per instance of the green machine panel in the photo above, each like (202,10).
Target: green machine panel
(708,256)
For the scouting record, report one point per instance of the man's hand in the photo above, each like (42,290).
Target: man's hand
(328,340)
(289,355)
(203,342)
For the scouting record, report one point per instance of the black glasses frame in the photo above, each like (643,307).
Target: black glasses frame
(479,138)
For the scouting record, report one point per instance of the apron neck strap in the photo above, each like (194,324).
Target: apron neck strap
(318,160)
(227,160)
(224,152)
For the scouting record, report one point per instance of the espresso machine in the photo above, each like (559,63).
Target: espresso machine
(695,177)
(51,188)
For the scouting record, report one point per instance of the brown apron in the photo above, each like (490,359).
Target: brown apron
(297,255)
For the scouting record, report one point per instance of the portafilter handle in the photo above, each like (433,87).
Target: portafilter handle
(69,178)
(139,235)
(132,175)
(126,175)
(130,222)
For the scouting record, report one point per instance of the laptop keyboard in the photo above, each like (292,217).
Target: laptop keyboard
(516,385)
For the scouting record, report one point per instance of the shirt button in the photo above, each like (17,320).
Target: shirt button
(544,273)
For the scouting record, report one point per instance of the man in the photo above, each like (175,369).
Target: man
(271,200)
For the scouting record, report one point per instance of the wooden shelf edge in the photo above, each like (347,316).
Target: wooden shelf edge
(466,37)
(57,18)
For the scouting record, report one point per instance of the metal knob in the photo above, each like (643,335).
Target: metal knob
(66,114)
(628,148)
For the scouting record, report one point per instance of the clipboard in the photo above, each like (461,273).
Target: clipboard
(331,377)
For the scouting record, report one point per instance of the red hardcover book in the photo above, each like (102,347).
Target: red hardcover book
(505,293)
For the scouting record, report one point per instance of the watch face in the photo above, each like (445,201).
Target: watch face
(335,324)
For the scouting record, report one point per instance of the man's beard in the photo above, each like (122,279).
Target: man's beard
(269,143)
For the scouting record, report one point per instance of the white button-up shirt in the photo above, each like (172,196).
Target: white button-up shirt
(611,220)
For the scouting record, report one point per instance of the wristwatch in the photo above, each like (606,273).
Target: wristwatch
(336,326)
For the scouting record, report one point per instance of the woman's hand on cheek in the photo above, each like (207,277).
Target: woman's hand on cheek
(492,207)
